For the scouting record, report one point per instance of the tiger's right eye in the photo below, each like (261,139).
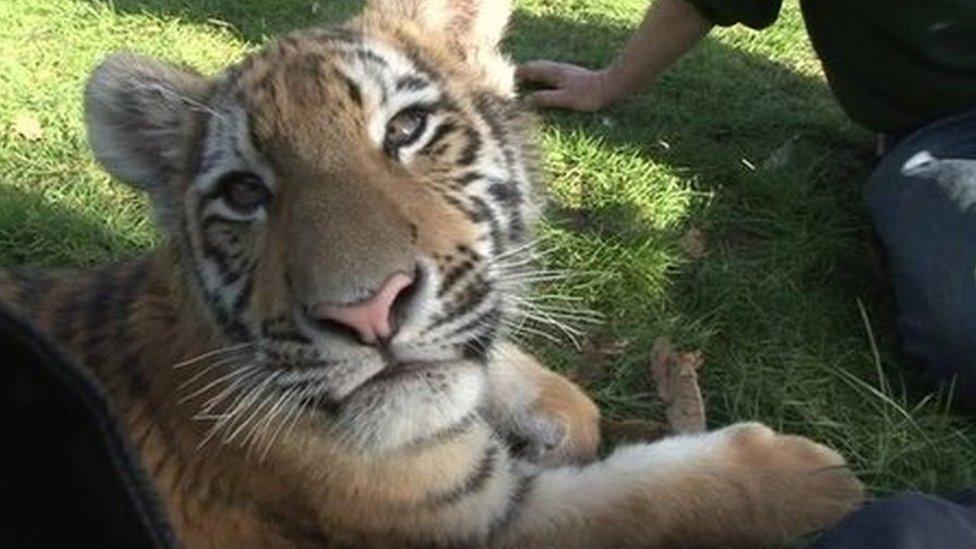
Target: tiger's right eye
(405,128)
(243,192)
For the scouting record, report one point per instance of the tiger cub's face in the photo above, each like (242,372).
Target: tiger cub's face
(349,202)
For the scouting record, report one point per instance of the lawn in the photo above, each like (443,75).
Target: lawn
(741,144)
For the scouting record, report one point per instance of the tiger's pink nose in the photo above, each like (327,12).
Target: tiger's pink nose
(371,318)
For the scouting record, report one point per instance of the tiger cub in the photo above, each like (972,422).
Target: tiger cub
(315,355)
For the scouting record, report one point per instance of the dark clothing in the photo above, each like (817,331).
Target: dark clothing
(892,64)
(67,475)
(908,521)
(922,201)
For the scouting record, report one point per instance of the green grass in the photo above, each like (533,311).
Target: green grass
(796,327)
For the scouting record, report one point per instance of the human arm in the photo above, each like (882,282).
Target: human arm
(669,30)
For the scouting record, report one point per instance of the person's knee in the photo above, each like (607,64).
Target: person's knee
(907,521)
(901,180)
(948,354)
(924,211)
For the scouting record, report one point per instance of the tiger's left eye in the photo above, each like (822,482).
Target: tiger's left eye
(405,128)
(243,191)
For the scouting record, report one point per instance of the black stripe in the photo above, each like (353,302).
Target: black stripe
(446,434)
(480,335)
(215,254)
(127,294)
(468,252)
(492,110)
(243,298)
(98,317)
(412,83)
(506,193)
(470,153)
(474,483)
(440,133)
(227,260)
(281,330)
(515,502)
(31,287)
(509,197)
(453,276)
(369,56)
(324,402)
(215,218)
(298,530)
(336,34)
(199,128)
(209,157)
(419,60)
(66,316)
(484,213)
(475,295)
(237,331)
(487,106)
(454,201)
(233,328)
(353,88)
(438,152)
(188,255)
(384,89)
(311,67)
(468,178)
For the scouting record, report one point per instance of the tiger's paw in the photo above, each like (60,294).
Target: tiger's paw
(561,426)
(807,485)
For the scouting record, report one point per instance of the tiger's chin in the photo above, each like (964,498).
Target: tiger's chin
(385,397)
(411,403)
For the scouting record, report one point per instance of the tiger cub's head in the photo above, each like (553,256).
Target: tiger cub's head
(349,201)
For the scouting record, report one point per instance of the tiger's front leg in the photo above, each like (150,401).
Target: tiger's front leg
(554,419)
(744,485)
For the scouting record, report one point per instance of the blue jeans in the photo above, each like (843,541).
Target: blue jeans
(922,200)
(908,521)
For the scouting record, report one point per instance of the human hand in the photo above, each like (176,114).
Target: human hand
(572,87)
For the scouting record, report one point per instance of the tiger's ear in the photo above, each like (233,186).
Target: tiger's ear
(138,112)
(466,23)
(471,30)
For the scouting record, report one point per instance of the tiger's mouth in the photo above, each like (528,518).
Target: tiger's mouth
(398,371)
(423,346)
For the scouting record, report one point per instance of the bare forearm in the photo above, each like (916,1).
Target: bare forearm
(669,30)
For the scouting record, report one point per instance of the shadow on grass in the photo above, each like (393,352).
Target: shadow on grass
(37,233)
(252,20)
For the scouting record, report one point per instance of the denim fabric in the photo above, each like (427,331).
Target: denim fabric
(908,521)
(922,200)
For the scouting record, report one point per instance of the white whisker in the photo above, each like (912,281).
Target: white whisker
(209,354)
(216,382)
